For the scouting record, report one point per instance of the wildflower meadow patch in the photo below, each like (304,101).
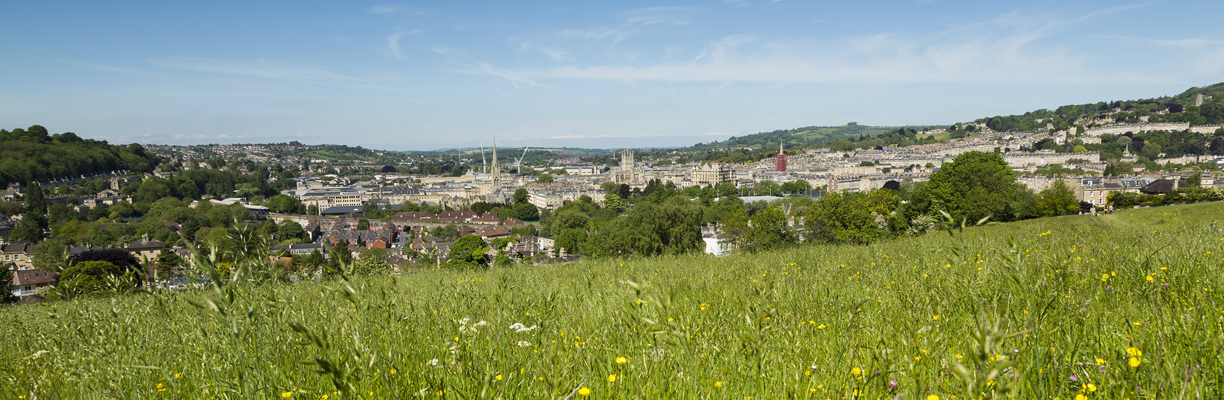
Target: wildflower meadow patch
(1080,307)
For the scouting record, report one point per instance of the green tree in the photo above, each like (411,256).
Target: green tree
(341,258)
(571,240)
(289,230)
(768,230)
(503,258)
(1119,168)
(153,190)
(30,227)
(373,261)
(468,252)
(94,278)
(313,261)
(545,178)
(854,218)
(842,145)
(526,212)
(1195,179)
(6,281)
(52,254)
(1058,199)
(613,201)
(35,200)
(312,209)
(975,185)
(1124,141)
(285,204)
(1151,150)
(796,187)
(167,262)
(521,196)
(667,228)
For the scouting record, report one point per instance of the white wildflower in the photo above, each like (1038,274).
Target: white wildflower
(522,343)
(433,362)
(519,327)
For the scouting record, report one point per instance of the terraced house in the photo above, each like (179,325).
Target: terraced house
(20,254)
(29,282)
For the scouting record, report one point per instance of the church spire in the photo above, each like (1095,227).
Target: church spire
(496,170)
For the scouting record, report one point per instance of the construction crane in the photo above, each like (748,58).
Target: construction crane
(519,163)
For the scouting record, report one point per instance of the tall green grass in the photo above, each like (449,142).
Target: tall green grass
(1034,310)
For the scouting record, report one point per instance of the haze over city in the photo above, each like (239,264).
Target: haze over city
(422,76)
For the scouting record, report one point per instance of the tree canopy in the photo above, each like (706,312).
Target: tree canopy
(31,154)
(974,185)
(468,252)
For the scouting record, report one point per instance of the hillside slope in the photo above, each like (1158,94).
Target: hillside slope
(1129,303)
(1182,107)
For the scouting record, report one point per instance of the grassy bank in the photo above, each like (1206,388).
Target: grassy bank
(1129,303)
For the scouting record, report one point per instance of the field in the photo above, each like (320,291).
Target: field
(1119,306)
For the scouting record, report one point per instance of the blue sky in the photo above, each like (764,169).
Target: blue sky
(426,75)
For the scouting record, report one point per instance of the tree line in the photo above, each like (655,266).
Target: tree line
(32,154)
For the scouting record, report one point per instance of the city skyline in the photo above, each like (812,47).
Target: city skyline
(413,76)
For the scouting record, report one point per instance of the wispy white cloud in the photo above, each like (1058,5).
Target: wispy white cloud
(264,69)
(448,51)
(556,54)
(1010,49)
(719,88)
(384,9)
(1188,42)
(107,68)
(393,43)
(590,34)
(659,15)
(632,22)
(514,77)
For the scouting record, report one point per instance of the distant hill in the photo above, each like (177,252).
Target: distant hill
(1183,107)
(802,137)
(32,154)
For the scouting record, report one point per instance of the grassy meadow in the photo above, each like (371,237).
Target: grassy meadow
(1126,305)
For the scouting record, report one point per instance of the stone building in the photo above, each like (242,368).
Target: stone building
(713,173)
(628,173)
